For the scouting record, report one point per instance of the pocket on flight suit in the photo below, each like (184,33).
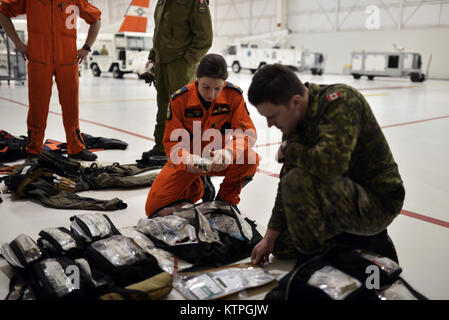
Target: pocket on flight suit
(36,48)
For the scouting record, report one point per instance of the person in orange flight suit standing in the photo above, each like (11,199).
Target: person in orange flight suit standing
(208,107)
(51,51)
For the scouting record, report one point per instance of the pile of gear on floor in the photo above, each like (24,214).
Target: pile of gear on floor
(95,260)
(53,180)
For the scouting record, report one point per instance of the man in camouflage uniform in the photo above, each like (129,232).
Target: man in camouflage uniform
(182,35)
(338,176)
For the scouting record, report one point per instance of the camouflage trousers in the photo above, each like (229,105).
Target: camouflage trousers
(316,212)
(169,77)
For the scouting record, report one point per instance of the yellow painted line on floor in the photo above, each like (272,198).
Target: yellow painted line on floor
(375,95)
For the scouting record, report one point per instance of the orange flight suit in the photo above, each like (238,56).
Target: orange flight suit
(52,51)
(227,111)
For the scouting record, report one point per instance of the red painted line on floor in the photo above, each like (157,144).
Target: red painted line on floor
(425,218)
(88,121)
(117,129)
(383,127)
(404,212)
(267,144)
(413,122)
(268,173)
(13,101)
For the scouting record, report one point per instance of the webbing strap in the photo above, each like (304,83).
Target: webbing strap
(33,176)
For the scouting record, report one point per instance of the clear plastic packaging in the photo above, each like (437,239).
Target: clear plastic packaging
(138,237)
(225,223)
(170,229)
(119,250)
(397,291)
(29,249)
(337,284)
(10,256)
(65,240)
(97,224)
(385,264)
(59,281)
(164,258)
(218,284)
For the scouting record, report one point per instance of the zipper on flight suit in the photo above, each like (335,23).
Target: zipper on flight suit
(78,134)
(62,4)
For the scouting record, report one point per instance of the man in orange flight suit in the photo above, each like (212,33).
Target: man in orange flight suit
(51,50)
(207,107)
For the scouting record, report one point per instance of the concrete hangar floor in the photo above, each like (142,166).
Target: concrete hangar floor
(414,118)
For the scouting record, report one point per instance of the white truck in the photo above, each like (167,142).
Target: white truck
(385,64)
(249,56)
(130,53)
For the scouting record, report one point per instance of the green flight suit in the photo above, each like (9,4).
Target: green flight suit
(182,36)
(339,175)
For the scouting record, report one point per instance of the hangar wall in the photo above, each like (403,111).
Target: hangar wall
(337,27)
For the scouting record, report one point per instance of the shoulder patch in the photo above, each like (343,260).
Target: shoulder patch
(179,92)
(202,6)
(333,96)
(233,86)
(169,113)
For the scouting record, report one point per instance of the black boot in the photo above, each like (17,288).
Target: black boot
(209,189)
(153,152)
(85,155)
(31,156)
(152,158)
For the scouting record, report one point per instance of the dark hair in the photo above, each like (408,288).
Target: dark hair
(276,84)
(212,66)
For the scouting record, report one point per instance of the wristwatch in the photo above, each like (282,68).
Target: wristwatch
(86,47)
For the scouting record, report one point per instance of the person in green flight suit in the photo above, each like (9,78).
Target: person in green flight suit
(339,176)
(182,36)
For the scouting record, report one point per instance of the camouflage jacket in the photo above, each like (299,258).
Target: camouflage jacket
(340,136)
(183,28)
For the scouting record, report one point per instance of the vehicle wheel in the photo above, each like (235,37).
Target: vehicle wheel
(96,70)
(370,77)
(356,75)
(236,67)
(423,77)
(313,71)
(116,73)
(320,72)
(415,77)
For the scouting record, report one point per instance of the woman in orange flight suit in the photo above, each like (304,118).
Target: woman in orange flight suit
(207,107)
(51,50)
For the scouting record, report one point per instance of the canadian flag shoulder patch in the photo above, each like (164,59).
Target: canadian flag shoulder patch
(333,96)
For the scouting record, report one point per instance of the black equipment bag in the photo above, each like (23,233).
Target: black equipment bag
(62,278)
(345,273)
(12,148)
(26,250)
(223,247)
(93,226)
(61,242)
(122,259)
